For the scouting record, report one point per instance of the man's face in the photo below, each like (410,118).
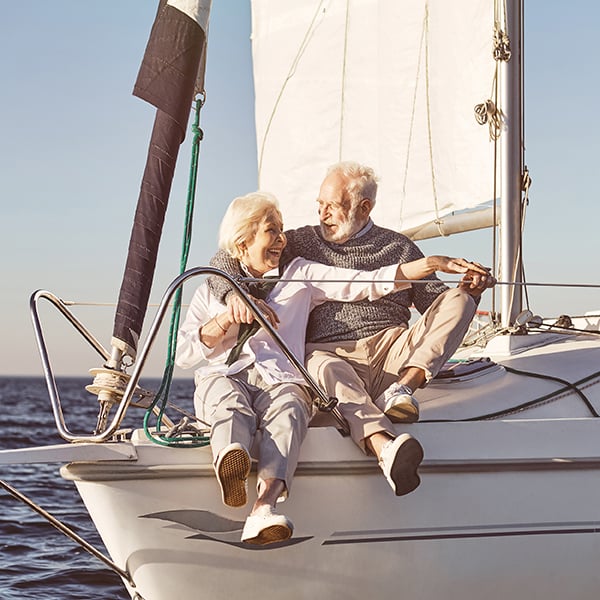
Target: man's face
(339,220)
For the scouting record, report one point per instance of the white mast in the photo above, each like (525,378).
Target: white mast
(512,166)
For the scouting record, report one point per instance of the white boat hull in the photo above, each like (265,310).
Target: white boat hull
(508,507)
(511,511)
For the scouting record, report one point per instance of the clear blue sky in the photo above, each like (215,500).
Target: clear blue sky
(73,146)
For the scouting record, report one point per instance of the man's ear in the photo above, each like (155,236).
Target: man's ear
(366,206)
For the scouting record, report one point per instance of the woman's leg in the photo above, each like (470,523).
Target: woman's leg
(284,411)
(226,404)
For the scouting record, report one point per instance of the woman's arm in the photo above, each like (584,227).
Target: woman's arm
(349,285)
(214,330)
(203,331)
(422,267)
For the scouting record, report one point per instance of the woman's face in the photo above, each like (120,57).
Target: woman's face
(263,252)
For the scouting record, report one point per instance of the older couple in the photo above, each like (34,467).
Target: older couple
(357,344)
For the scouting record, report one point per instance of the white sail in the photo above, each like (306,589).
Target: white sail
(392,88)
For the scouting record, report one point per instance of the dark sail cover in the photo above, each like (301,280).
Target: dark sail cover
(172,70)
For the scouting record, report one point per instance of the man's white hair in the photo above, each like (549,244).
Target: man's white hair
(361,180)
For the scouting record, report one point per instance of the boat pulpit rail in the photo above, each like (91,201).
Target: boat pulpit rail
(321,400)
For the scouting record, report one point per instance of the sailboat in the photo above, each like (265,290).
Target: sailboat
(509,500)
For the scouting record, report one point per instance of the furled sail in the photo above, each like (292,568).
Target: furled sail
(390,83)
(172,71)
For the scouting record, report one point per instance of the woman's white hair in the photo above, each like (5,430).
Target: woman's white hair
(361,181)
(242,218)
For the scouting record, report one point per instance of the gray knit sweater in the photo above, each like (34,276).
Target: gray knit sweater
(341,321)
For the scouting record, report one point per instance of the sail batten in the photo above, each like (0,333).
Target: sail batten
(377,82)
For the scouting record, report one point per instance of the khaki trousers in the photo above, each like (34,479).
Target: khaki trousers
(358,371)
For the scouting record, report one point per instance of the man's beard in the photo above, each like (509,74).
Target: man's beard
(345,230)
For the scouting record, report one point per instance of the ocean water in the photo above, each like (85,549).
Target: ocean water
(36,560)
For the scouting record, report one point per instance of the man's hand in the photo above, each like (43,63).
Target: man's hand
(447,264)
(238,312)
(476,282)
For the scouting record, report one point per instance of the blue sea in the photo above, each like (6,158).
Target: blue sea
(36,560)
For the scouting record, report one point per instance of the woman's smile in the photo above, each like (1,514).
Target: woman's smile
(263,252)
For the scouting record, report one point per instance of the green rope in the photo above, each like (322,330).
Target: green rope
(162,395)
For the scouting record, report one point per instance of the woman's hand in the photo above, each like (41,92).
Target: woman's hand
(238,312)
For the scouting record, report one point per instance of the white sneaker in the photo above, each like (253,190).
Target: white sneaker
(232,469)
(399,461)
(266,527)
(398,404)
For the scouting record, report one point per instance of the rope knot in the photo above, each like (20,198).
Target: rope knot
(487,112)
(502,51)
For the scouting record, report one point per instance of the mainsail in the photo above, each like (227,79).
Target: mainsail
(172,71)
(375,81)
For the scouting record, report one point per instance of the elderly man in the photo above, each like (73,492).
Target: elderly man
(364,350)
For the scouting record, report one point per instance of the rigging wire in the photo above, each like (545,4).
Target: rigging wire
(497,122)
(487,112)
(412,281)
(66,530)
(424,282)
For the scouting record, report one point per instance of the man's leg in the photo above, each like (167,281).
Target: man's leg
(417,354)
(339,378)
(346,378)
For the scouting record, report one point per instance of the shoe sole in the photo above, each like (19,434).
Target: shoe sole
(404,468)
(402,413)
(270,535)
(232,474)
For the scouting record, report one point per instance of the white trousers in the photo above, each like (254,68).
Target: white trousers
(240,406)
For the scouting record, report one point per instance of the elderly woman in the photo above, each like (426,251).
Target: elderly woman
(242,391)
